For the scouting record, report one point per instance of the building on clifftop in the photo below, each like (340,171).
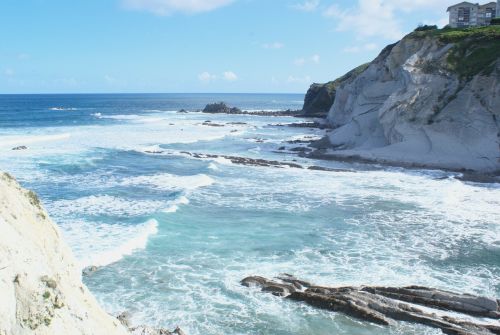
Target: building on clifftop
(467,14)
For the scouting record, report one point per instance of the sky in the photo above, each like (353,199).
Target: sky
(196,46)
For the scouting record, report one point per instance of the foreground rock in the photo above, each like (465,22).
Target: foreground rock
(432,99)
(41,291)
(385,305)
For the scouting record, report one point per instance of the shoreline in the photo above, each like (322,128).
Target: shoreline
(467,174)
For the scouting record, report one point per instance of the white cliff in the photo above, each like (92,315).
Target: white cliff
(419,103)
(41,291)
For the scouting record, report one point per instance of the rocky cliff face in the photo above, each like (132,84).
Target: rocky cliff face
(40,286)
(430,100)
(320,97)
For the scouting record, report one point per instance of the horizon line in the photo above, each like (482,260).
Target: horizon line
(117,93)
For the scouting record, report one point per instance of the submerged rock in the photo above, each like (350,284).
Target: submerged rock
(246,160)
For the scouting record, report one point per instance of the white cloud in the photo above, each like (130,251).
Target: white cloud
(314,59)
(109,79)
(299,61)
(167,7)
(230,76)
(23,56)
(275,45)
(368,18)
(9,72)
(307,6)
(206,77)
(299,80)
(361,48)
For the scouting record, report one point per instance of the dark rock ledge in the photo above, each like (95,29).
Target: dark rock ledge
(386,305)
(261,162)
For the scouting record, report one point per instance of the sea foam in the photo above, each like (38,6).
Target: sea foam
(167,181)
(109,243)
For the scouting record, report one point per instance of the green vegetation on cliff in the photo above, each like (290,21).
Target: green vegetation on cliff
(475,50)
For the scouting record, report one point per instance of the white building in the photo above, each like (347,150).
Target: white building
(468,14)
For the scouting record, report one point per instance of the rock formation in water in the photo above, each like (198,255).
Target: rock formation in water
(430,100)
(223,108)
(448,311)
(41,291)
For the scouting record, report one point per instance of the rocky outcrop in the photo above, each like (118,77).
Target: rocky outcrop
(41,291)
(385,305)
(320,97)
(223,108)
(431,100)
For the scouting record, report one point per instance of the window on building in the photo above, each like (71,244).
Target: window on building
(490,13)
(463,14)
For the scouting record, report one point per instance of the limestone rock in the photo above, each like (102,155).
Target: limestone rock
(419,104)
(41,291)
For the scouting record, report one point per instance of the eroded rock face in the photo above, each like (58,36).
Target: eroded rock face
(40,286)
(409,106)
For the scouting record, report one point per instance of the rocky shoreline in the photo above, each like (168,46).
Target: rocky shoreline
(323,149)
(447,311)
(463,174)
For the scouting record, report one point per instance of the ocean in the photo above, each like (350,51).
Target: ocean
(173,235)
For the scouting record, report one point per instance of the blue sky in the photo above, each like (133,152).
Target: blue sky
(77,46)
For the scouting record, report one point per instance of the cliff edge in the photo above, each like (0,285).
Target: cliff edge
(41,291)
(430,100)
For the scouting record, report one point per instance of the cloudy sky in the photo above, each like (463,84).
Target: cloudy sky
(61,46)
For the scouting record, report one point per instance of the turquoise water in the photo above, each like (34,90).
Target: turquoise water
(175,235)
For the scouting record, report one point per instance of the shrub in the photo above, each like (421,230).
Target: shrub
(495,21)
(426,28)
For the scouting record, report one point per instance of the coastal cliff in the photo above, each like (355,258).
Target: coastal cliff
(430,100)
(320,97)
(41,291)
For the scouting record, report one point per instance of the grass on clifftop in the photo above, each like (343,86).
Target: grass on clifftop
(332,85)
(476,49)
